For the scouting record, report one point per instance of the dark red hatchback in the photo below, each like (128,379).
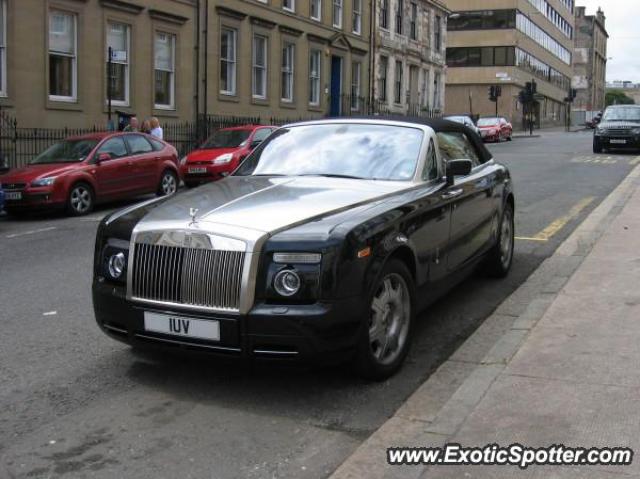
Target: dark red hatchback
(81,171)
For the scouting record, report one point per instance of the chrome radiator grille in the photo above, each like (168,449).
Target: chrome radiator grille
(619,132)
(189,276)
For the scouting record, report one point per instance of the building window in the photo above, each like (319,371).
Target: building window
(3,48)
(63,67)
(259,67)
(480,56)
(288,56)
(118,42)
(382,83)
(424,94)
(483,20)
(384,14)
(398,85)
(165,51)
(228,61)
(436,91)
(315,57)
(357,16)
(337,13)
(316,10)
(414,21)
(437,34)
(289,5)
(399,16)
(356,69)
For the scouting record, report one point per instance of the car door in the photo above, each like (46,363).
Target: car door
(473,207)
(112,175)
(143,157)
(429,226)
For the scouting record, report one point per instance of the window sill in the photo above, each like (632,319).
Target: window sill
(164,107)
(163,112)
(260,101)
(228,98)
(290,105)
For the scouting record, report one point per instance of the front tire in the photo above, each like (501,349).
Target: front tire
(168,183)
(81,200)
(386,337)
(500,257)
(597,145)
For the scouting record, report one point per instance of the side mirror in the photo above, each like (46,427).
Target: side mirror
(103,157)
(458,168)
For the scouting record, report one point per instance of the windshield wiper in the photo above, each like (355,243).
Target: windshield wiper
(332,175)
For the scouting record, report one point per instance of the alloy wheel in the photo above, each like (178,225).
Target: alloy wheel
(169,184)
(506,237)
(390,318)
(80,199)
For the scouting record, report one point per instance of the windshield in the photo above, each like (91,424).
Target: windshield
(67,151)
(488,122)
(622,114)
(459,119)
(362,151)
(226,139)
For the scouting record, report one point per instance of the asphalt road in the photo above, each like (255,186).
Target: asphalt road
(74,403)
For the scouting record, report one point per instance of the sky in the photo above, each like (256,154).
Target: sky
(624,36)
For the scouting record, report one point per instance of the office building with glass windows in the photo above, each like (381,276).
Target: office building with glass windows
(510,43)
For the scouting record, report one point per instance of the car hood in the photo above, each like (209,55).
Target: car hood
(208,154)
(627,125)
(29,173)
(266,204)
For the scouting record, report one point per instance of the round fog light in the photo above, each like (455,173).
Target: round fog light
(116,265)
(287,282)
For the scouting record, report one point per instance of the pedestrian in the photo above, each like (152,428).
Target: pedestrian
(146,127)
(133,124)
(156,129)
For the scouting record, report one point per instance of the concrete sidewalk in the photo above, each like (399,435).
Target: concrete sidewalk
(564,368)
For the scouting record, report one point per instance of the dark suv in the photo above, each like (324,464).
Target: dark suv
(619,128)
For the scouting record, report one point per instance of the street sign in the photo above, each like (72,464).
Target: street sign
(502,75)
(538,97)
(118,55)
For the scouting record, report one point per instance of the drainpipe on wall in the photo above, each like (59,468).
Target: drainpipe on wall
(197,64)
(372,54)
(205,39)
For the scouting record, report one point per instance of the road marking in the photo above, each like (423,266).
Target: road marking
(50,313)
(547,233)
(31,232)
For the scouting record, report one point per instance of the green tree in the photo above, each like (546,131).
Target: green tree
(618,97)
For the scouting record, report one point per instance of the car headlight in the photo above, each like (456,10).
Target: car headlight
(599,131)
(223,159)
(287,282)
(115,256)
(44,181)
(116,265)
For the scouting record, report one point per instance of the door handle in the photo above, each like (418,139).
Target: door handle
(451,194)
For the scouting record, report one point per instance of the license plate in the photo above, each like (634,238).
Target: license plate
(197,170)
(181,326)
(13,195)
(618,142)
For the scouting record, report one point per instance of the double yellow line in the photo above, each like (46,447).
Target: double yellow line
(560,223)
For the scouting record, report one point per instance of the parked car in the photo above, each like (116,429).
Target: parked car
(323,245)
(619,128)
(81,171)
(222,153)
(464,120)
(1,198)
(495,129)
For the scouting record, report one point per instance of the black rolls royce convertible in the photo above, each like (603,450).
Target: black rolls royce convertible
(322,245)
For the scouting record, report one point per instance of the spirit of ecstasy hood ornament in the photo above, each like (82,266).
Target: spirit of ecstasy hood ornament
(193,212)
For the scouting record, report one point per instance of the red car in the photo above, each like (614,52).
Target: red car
(81,171)
(495,129)
(222,153)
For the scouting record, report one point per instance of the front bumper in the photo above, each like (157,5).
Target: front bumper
(33,199)
(207,172)
(608,141)
(324,332)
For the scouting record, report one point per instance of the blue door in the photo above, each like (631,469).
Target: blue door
(336,85)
